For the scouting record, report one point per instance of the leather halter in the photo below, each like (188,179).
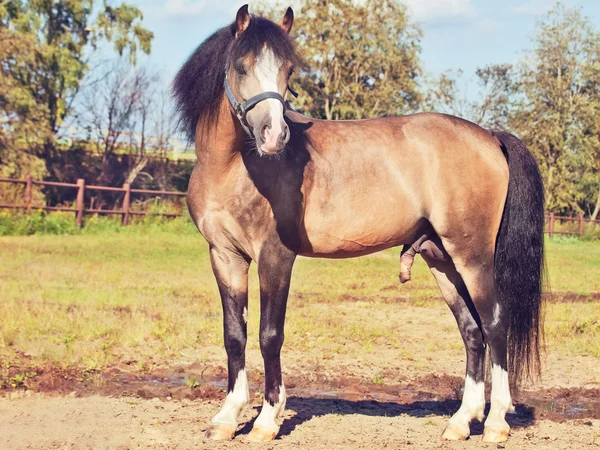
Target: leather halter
(241,109)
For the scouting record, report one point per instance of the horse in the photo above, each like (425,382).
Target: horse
(271,184)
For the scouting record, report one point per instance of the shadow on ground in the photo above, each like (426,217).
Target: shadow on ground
(307,408)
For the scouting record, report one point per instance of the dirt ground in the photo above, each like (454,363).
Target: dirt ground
(126,411)
(379,400)
(127,423)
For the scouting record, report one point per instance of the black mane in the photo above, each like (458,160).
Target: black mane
(198,86)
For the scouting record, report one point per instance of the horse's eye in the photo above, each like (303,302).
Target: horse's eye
(239,68)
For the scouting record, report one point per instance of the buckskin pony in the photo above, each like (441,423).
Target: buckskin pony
(271,184)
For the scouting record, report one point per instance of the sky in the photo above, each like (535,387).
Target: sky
(458,34)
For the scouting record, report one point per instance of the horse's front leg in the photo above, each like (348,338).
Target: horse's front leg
(274,272)
(231,271)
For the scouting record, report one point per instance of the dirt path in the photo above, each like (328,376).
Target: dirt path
(129,423)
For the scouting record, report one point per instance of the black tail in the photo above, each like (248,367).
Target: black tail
(519,260)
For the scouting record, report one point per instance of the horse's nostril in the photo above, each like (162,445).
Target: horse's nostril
(264,129)
(285,134)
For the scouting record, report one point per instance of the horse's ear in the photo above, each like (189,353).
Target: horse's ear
(287,21)
(242,20)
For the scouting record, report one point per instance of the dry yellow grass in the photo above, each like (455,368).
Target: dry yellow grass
(149,298)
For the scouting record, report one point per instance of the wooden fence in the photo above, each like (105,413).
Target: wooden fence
(569,226)
(575,226)
(79,208)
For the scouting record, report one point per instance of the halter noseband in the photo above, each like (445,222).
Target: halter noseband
(241,109)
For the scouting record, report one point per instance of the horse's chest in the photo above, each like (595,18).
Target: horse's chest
(232,221)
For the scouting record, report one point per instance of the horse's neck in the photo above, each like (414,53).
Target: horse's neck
(219,144)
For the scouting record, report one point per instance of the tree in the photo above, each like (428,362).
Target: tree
(362,59)
(491,108)
(165,126)
(590,160)
(118,110)
(22,122)
(60,36)
(556,113)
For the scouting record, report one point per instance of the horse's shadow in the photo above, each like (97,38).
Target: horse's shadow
(306,408)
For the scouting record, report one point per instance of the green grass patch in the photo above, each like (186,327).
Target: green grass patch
(40,222)
(145,296)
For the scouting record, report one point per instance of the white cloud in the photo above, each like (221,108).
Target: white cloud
(440,10)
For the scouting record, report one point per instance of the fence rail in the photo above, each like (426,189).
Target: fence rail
(126,213)
(552,220)
(79,208)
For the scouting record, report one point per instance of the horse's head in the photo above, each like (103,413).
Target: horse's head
(260,62)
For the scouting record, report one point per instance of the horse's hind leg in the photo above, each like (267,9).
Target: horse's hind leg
(494,323)
(231,271)
(457,297)
(477,271)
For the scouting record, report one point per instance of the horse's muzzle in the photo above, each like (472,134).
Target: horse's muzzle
(272,138)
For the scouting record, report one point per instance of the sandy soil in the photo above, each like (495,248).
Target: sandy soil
(381,400)
(129,423)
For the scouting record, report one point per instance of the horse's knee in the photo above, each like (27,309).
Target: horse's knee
(271,342)
(235,345)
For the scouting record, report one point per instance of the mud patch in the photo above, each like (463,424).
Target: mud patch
(559,404)
(435,395)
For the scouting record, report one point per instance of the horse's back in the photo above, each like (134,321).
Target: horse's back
(370,184)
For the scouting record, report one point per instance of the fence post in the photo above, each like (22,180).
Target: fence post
(79,202)
(28,191)
(551,228)
(580,224)
(126,202)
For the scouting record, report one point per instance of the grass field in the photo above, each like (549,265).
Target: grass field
(145,297)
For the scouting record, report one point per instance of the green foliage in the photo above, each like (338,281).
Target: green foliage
(61,34)
(493,107)
(45,48)
(362,59)
(19,380)
(63,223)
(557,115)
(551,100)
(192,382)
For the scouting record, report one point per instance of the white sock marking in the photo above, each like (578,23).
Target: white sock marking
(472,406)
(235,402)
(501,401)
(268,415)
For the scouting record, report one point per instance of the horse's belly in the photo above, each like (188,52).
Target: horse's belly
(345,234)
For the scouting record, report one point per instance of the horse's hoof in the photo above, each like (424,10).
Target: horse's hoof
(495,436)
(261,435)
(454,433)
(220,433)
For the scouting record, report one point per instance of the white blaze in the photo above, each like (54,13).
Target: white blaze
(266,72)
(235,402)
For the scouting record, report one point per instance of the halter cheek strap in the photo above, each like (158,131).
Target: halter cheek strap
(241,109)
